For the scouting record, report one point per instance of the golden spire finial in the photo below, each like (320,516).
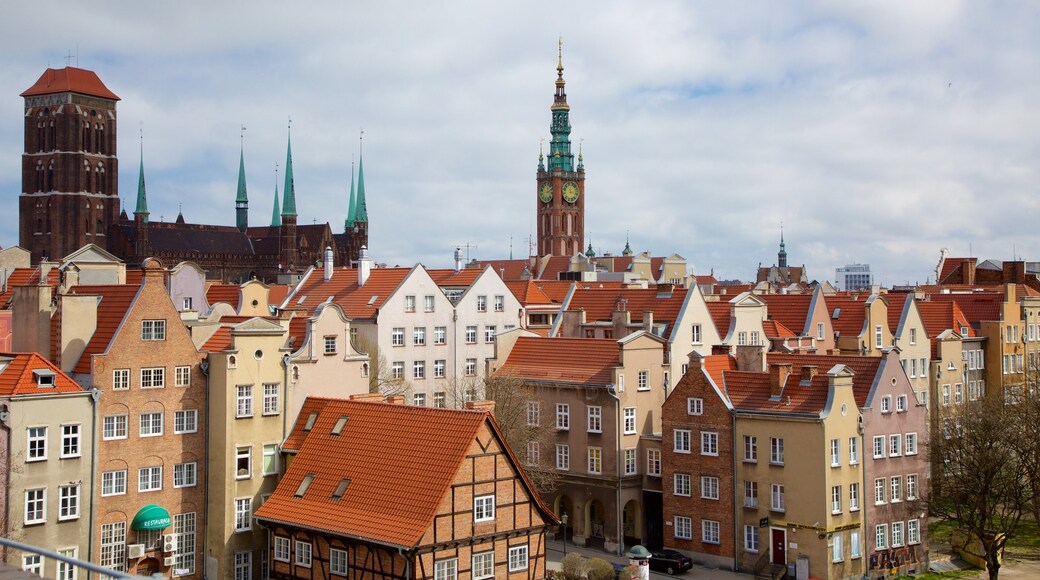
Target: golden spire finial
(559,62)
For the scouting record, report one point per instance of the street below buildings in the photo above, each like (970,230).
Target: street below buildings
(554,554)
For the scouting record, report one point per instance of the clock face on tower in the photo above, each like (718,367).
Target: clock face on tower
(570,192)
(545,193)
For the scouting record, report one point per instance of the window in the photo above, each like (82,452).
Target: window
(644,380)
(244,401)
(471,367)
(114,427)
(419,370)
(303,549)
(37,444)
(419,336)
(913,532)
(750,494)
(153,330)
(750,448)
(534,453)
(186,421)
(68,502)
(886,404)
(113,546)
(911,486)
(149,478)
(329,344)
(439,367)
(243,462)
(446,569)
(709,487)
(270,459)
(853,497)
(854,548)
(595,419)
(120,379)
(243,513)
(630,462)
(895,445)
(776,498)
(836,499)
(153,378)
(681,440)
(337,557)
(877,336)
(709,443)
(879,446)
(113,482)
(428,303)
(481,303)
(653,462)
(696,334)
(913,336)
(440,335)
(911,444)
(397,369)
(945,395)
(471,335)
(563,457)
(271,399)
(750,539)
(489,333)
(397,336)
(694,406)
(35,506)
(853,450)
(835,452)
(517,558)
(879,490)
(683,528)
(185,474)
(913,368)
(710,531)
(483,565)
(33,564)
(681,484)
(776,451)
(484,508)
(837,549)
(958,393)
(534,413)
(896,489)
(67,571)
(563,416)
(281,549)
(184,530)
(897,534)
(409,303)
(151,424)
(243,565)
(182,376)
(439,399)
(500,303)
(742,338)
(595,460)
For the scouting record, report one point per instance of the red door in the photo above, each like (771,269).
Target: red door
(779,538)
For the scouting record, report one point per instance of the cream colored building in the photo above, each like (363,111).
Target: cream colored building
(911,336)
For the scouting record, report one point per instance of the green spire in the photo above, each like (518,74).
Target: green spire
(349,223)
(276,216)
(242,201)
(360,210)
(289,199)
(242,177)
(142,197)
(560,156)
(590,253)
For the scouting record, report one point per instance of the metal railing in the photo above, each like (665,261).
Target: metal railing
(89,566)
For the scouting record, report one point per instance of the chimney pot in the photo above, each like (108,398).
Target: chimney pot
(778,374)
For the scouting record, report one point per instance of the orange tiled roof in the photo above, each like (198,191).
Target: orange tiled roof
(134,276)
(356,302)
(220,340)
(977,306)
(774,329)
(528,292)
(750,392)
(229,293)
(25,277)
(17,378)
(720,313)
(864,367)
(717,364)
(400,460)
(555,290)
(599,304)
(447,277)
(952,264)
(852,316)
(706,279)
(276,293)
(298,331)
(791,310)
(896,303)
(553,266)
(70,79)
(941,316)
(511,270)
(563,360)
(114,302)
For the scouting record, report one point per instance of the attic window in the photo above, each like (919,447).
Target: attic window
(341,489)
(340,424)
(372,300)
(310,422)
(329,299)
(307,479)
(44,378)
(837,313)
(302,298)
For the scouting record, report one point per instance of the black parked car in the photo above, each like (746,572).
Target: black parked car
(669,561)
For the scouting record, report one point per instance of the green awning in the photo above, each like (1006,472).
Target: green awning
(151,517)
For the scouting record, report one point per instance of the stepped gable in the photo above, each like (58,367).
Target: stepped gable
(579,361)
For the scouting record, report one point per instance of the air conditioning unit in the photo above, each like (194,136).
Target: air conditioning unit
(169,542)
(135,551)
(169,561)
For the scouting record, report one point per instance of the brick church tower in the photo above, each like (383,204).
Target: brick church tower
(561,186)
(70,184)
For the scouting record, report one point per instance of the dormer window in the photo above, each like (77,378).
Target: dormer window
(307,479)
(340,424)
(341,489)
(310,422)
(44,378)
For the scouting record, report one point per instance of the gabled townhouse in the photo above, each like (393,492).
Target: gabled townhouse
(46,444)
(540,310)
(739,321)
(911,336)
(128,343)
(443,497)
(860,321)
(187,285)
(806,315)
(603,397)
(252,298)
(958,359)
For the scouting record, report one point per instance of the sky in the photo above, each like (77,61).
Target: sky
(874,132)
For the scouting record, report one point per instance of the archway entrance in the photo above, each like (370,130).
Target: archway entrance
(632,520)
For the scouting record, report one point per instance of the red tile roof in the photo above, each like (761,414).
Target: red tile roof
(791,310)
(276,293)
(721,313)
(220,341)
(977,306)
(528,292)
(563,360)
(298,331)
(553,266)
(750,392)
(400,462)
(449,278)
(774,329)
(864,367)
(941,316)
(356,302)
(717,364)
(70,79)
(229,293)
(952,264)
(17,378)
(896,303)
(112,308)
(555,290)
(599,304)
(25,277)
(511,270)
(852,313)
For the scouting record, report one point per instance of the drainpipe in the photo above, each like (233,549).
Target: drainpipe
(737,507)
(95,395)
(617,435)
(286,360)
(204,367)
(5,415)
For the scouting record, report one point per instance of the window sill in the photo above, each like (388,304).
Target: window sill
(776,464)
(752,461)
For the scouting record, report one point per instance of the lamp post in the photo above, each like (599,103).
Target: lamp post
(564,520)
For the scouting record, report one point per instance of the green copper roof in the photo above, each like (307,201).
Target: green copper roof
(289,199)
(349,223)
(242,178)
(590,252)
(142,197)
(360,210)
(560,156)
(276,216)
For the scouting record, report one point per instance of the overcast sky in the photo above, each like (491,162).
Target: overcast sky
(877,132)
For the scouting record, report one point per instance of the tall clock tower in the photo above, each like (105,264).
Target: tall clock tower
(560,195)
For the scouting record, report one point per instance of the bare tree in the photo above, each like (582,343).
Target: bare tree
(381,377)
(980,479)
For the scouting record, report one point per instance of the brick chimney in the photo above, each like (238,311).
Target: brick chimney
(808,374)
(720,349)
(778,373)
(488,406)
(370,397)
(1014,272)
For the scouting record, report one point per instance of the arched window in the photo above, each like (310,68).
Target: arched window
(39,137)
(50,176)
(39,176)
(364,369)
(86,136)
(100,228)
(87,182)
(101,139)
(101,178)
(97,138)
(54,137)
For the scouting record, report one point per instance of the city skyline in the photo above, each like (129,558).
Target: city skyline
(876,134)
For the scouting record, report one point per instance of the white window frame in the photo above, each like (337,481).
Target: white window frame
(777,499)
(272,399)
(563,416)
(683,527)
(153,378)
(243,401)
(35,506)
(694,406)
(629,420)
(709,487)
(68,502)
(244,452)
(710,531)
(149,478)
(243,510)
(483,565)
(563,457)
(153,329)
(269,456)
(446,569)
(304,554)
(854,497)
(710,443)
(594,414)
(595,460)
(115,424)
(653,462)
(36,446)
(776,450)
(185,474)
(114,481)
(484,508)
(152,424)
(853,450)
(121,380)
(681,484)
(281,549)
(338,560)
(835,452)
(630,461)
(518,558)
(185,421)
(681,440)
(911,444)
(182,376)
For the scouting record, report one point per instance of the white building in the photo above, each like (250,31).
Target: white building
(853,277)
